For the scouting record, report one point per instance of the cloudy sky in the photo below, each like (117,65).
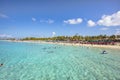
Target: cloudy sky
(46,18)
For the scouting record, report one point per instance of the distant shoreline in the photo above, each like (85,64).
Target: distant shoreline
(71,44)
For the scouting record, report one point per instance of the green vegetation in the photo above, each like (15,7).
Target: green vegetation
(78,38)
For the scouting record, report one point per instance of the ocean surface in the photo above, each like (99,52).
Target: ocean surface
(32,61)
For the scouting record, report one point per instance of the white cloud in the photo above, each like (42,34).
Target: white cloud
(117,29)
(110,20)
(117,32)
(33,19)
(5,36)
(50,21)
(53,34)
(104,29)
(3,15)
(73,21)
(91,23)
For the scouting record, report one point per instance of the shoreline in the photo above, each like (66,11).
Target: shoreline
(72,44)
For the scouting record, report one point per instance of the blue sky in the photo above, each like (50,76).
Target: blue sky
(45,18)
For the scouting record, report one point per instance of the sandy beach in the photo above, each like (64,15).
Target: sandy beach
(73,44)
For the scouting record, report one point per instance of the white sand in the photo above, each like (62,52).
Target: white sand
(74,44)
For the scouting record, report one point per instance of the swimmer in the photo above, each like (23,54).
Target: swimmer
(104,52)
(1,64)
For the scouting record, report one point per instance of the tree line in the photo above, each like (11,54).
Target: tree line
(115,38)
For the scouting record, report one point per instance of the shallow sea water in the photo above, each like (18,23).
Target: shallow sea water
(32,61)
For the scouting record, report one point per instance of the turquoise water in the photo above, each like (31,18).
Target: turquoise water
(32,61)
